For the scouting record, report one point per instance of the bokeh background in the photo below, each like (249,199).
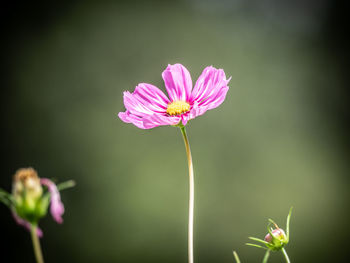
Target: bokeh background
(280,139)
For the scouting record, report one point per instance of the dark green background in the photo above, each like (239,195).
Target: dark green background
(279,139)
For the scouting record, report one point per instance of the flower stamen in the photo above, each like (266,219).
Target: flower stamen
(177,108)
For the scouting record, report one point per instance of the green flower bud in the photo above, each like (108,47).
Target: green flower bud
(277,239)
(27,193)
(29,201)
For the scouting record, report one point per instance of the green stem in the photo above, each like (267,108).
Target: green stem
(285,255)
(191,195)
(36,244)
(266,257)
(236,257)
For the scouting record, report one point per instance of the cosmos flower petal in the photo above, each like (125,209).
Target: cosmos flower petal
(145,100)
(159,120)
(178,82)
(210,89)
(184,119)
(197,111)
(26,224)
(151,97)
(56,206)
(127,117)
(217,100)
(150,121)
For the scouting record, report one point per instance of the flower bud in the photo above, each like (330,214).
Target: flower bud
(31,197)
(26,187)
(278,238)
(27,192)
(277,233)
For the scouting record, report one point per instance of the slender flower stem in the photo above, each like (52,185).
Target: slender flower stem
(36,245)
(266,257)
(285,255)
(236,257)
(191,197)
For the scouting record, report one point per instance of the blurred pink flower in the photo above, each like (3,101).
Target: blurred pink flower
(56,206)
(148,107)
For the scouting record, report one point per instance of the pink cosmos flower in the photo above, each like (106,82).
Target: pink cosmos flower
(148,107)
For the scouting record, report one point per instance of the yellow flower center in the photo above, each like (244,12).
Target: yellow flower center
(177,107)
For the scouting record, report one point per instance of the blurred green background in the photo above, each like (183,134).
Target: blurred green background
(278,140)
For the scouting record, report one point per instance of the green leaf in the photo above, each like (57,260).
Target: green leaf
(255,245)
(3,192)
(66,185)
(269,230)
(6,198)
(259,240)
(274,239)
(236,257)
(288,220)
(5,201)
(273,222)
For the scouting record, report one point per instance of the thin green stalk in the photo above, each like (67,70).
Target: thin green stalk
(36,244)
(266,257)
(285,255)
(236,257)
(191,195)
